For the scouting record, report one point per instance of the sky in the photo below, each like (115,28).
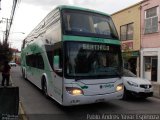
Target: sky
(30,12)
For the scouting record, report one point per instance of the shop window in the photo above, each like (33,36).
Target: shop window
(147,63)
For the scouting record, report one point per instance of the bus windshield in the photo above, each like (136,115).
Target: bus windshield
(92,60)
(88,24)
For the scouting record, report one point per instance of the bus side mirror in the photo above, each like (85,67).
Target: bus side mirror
(57,64)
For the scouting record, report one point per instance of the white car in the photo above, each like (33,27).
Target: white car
(135,86)
(12,63)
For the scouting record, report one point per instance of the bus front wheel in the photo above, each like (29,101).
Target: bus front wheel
(44,87)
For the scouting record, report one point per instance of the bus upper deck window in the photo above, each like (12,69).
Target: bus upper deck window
(79,23)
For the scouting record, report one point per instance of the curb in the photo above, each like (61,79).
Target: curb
(22,115)
(156,89)
(156,96)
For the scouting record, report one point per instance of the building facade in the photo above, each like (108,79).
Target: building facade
(150,40)
(127,22)
(16,55)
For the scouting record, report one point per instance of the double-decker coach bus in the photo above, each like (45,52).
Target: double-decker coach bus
(74,56)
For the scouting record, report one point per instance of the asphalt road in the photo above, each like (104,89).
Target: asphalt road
(38,107)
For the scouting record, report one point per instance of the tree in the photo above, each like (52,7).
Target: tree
(5,52)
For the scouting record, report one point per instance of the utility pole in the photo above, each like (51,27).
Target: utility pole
(7,29)
(9,21)
(0,4)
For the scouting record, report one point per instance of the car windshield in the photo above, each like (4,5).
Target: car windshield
(128,73)
(90,59)
(88,24)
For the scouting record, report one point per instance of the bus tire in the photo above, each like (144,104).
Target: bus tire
(23,74)
(44,86)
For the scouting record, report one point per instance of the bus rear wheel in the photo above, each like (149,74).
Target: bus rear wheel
(23,74)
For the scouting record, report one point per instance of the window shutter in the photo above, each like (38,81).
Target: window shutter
(155,24)
(148,25)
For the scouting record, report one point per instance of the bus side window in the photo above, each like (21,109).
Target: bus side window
(57,61)
(39,61)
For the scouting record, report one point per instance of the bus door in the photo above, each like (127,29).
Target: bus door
(57,74)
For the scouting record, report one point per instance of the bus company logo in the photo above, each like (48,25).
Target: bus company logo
(106,86)
(84,87)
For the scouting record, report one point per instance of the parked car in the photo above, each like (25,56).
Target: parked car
(135,86)
(12,63)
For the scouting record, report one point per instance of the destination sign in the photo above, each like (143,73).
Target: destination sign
(95,47)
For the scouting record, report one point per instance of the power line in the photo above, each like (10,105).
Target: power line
(9,24)
(6,33)
(0,4)
(11,18)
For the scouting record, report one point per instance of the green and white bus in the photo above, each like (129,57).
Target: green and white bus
(74,56)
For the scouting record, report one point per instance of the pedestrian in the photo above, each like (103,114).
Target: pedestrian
(6,73)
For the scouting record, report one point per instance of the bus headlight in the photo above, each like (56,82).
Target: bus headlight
(74,91)
(119,87)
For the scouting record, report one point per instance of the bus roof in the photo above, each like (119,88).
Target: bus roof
(61,7)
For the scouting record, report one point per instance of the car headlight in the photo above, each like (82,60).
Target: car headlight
(132,84)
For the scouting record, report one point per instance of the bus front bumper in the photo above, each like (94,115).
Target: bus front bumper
(70,100)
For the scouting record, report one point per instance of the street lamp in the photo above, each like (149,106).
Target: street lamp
(4,32)
(18,32)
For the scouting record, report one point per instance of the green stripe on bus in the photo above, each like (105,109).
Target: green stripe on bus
(90,39)
(80,8)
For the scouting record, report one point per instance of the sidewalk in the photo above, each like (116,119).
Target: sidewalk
(21,110)
(10,82)
(156,90)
